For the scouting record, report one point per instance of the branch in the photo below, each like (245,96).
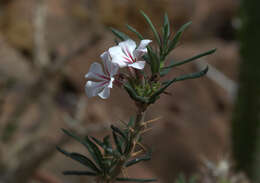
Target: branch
(41,56)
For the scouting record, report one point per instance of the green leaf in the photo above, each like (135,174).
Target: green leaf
(166,25)
(192,75)
(81,159)
(106,141)
(176,37)
(96,155)
(101,144)
(107,148)
(137,160)
(156,95)
(95,152)
(135,31)
(154,61)
(117,130)
(191,59)
(133,94)
(122,36)
(118,143)
(166,31)
(75,137)
(156,35)
(164,71)
(72,172)
(131,121)
(135,180)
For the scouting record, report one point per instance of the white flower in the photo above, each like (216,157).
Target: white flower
(125,54)
(102,81)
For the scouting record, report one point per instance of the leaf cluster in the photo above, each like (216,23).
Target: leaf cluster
(165,42)
(103,156)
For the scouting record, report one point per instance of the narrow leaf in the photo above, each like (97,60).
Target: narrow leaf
(137,160)
(166,31)
(155,96)
(80,158)
(176,37)
(75,137)
(101,144)
(166,24)
(154,61)
(164,71)
(191,59)
(117,130)
(135,31)
(95,152)
(104,146)
(135,180)
(117,142)
(122,36)
(133,94)
(192,75)
(87,144)
(72,172)
(181,78)
(131,121)
(106,141)
(156,35)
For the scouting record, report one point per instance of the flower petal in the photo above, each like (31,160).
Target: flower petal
(95,72)
(141,50)
(105,93)
(128,46)
(138,65)
(118,57)
(93,88)
(110,68)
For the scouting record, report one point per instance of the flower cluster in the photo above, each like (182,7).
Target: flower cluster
(125,54)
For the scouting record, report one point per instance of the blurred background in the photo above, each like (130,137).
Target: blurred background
(46,48)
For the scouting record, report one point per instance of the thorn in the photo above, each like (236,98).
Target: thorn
(142,146)
(137,153)
(125,174)
(167,93)
(131,129)
(151,121)
(145,130)
(124,123)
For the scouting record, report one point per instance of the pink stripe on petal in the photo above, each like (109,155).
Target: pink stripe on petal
(102,76)
(103,83)
(128,60)
(129,55)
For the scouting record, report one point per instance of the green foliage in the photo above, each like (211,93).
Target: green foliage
(107,158)
(122,36)
(103,156)
(189,59)
(149,91)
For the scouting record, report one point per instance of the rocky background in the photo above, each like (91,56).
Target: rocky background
(195,123)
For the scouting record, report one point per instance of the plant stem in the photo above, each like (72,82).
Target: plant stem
(138,127)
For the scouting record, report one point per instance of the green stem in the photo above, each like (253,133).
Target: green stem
(138,127)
